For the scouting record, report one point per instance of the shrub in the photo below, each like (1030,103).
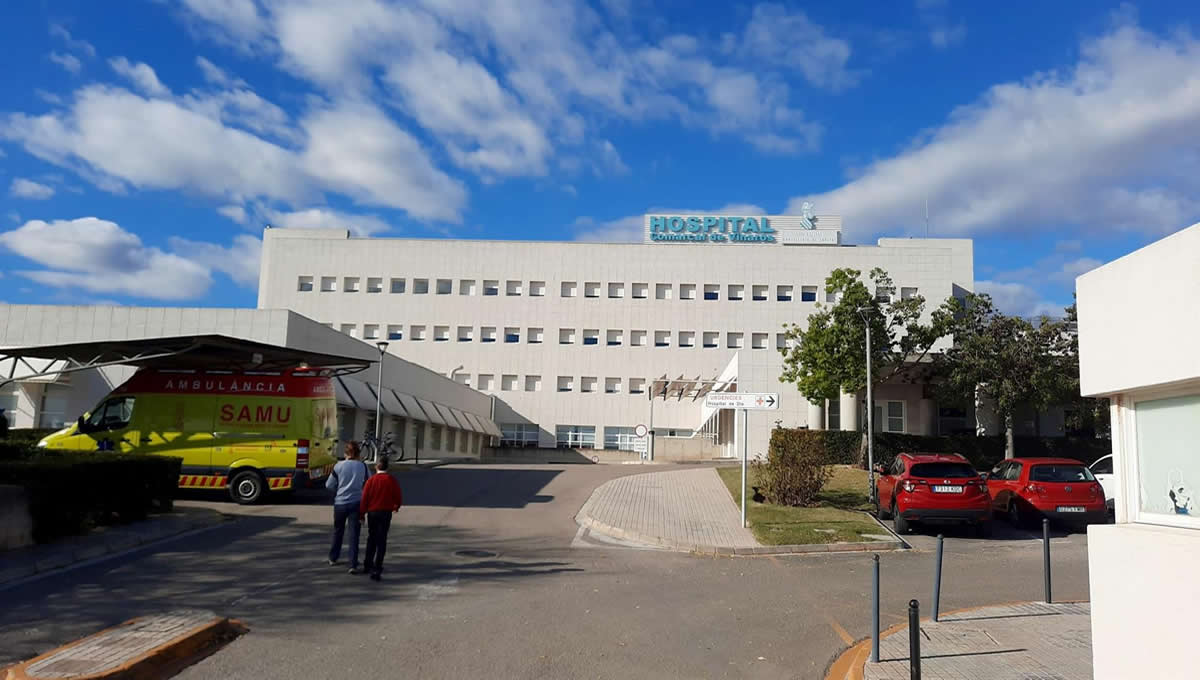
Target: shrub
(795,470)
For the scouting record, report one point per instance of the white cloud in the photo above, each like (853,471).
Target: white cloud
(69,62)
(59,31)
(1070,270)
(239,261)
(214,75)
(100,257)
(1019,299)
(323,218)
(943,32)
(234,212)
(27,188)
(1107,144)
(140,75)
(632,229)
(791,39)
(239,18)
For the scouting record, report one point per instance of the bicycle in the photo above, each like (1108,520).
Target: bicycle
(369,448)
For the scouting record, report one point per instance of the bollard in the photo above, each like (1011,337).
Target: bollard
(1046,556)
(875,613)
(937,580)
(914,640)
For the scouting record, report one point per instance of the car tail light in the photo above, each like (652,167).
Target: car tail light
(302,454)
(909,486)
(1095,490)
(1036,488)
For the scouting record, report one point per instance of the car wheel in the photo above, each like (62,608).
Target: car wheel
(983,530)
(247,487)
(1015,516)
(900,524)
(880,512)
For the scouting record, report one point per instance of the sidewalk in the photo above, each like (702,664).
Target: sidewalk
(37,559)
(1017,641)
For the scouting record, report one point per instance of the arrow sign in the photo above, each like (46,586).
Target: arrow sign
(765,401)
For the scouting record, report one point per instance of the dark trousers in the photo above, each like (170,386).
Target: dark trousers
(341,515)
(378,523)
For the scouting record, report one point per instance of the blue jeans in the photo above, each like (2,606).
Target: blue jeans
(342,514)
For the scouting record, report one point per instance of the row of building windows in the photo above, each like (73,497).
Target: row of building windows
(486,382)
(568,336)
(590,289)
(578,436)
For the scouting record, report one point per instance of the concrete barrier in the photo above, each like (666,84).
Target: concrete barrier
(16,524)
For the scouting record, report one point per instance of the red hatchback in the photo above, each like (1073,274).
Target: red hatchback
(933,488)
(1062,489)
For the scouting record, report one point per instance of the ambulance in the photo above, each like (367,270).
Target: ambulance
(251,433)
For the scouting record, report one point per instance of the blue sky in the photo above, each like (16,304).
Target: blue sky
(143,145)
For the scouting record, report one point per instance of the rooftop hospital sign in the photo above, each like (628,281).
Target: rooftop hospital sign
(805,229)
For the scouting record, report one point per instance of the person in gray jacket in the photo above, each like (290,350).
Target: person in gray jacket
(347,481)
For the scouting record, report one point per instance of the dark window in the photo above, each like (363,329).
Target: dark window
(513,337)
(760,298)
(713,296)
(1104,466)
(933,470)
(1060,473)
(591,341)
(810,296)
(787,297)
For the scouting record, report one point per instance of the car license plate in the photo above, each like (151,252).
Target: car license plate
(947,489)
(1070,508)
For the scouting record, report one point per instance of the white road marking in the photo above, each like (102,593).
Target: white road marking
(440,588)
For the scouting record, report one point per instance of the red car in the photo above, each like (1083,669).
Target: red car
(933,488)
(1027,489)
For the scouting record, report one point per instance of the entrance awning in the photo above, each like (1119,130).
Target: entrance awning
(689,388)
(431,413)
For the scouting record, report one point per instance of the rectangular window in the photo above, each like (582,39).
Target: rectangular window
(759,293)
(736,291)
(491,288)
(894,411)
(575,436)
(613,337)
(591,336)
(612,385)
(591,289)
(441,333)
(450,440)
(616,290)
(534,336)
(808,293)
(487,334)
(375,285)
(662,338)
(466,286)
(533,383)
(569,288)
(883,294)
(508,383)
(305,284)
(733,340)
(521,435)
(395,331)
(350,329)
(759,341)
(687,338)
(416,332)
(485,381)
(783,293)
(618,438)
(566,336)
(420,286)
(712,291)
(328,284)
(687,291)
(445,286)
(466,333)
(637,338)
(350,284)
(587,384)
(1166,430)
(512,288)
(709,339)
(566,383)
(833,413)
(537,289)
(676,433)
(641,291)
(781,341)
(831,297)
(512,334)
(906,293)
(662,291)
(463,378)
(435,436)
(371,331)
(397,285)
(637,385)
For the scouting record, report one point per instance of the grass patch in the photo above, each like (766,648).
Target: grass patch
(837,518)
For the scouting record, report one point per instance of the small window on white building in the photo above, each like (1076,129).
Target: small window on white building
(831,297)
(618,438)
(640,291)
(733,340)
(783,293)
(534,336)
(637,338)
(485,381)
(662,338)
(808,293)
(591,289)
(687,291)
(637,385)
(371,331)
(613,337)
(569,288)
(566,336)
(463,379)
(512,288)
(883,294)
(350,284)
(445,286)
(508,383)
(612,385)
(397,286)
(566,383)
(709,339)
(350,329)
(537,289)
(781,341)
(712,291)
(591,336)
(587,384)
(328,284)
(305,284)
(466,286)
(907,293)
(662,291)
(736,291)
(395,331)
(759,293)
(616,290)
(687,338)
(533,383)
(441,333)
(759,341)
(466,333)
(894,420)
(491,287)
(420,286)
(375,285)
(512,334)
(487,334)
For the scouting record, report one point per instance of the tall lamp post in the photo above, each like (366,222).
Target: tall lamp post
(865,312)
(379,394)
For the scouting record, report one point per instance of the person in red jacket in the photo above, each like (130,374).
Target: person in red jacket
(380,498)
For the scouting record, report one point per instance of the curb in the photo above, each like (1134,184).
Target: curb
(162,661)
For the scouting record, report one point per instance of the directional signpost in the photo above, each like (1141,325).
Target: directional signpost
(744,402)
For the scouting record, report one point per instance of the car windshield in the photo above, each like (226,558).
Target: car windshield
(943,470)
(1060,473)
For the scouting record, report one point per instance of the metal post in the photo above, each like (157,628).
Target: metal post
(650,433)
(870,422)
(379,400)
(914,640)
(1046,556)
(875,612)
(937,580)
(745,450)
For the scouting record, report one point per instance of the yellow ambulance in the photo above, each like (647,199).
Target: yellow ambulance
(249,433)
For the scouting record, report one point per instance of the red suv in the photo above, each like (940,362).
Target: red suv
(1062,489)
(933,488)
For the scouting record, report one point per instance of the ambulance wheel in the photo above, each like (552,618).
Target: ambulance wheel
(247,487)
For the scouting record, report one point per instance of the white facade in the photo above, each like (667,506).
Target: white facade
(568,336)
(1139,320)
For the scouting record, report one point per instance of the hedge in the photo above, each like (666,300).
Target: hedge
(796,467)
(70,493)
(21,443)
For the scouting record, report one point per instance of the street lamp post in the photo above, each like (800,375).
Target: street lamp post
(864,312)
(379,395)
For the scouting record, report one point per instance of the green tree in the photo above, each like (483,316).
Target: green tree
(1007,360)
(1084,415)
(826,357)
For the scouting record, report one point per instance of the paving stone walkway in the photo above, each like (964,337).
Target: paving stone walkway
(681,509)
(1019,642)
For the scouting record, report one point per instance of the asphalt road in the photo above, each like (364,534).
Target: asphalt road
(552,603)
